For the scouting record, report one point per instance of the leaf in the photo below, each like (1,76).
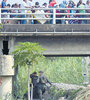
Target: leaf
(27,51)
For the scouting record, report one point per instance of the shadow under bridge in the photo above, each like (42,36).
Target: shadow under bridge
(59,40)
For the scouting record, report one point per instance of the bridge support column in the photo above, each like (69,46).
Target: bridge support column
(1,46)
(0,13)
(6,74)
(86,69)
(11,44)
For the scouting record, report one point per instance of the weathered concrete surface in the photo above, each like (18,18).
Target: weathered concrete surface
(83,94)
(41,30)
(55,45)
(6,74)
(1,46)
(60,45)
(6,88)
(46,28)
(11,41)
(67,86)
(6,64)
(65,42)
(62,86)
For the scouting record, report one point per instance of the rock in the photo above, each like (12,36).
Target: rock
(67,86)
(62,98)
(83,94)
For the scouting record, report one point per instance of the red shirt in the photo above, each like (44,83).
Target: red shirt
(52,3)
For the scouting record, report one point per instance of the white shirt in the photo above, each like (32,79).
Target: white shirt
(23,5)
(0,2)
(29,3)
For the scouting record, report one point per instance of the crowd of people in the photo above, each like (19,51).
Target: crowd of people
(52,4)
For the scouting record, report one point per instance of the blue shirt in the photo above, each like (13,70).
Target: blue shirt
(63,4)
(3,4)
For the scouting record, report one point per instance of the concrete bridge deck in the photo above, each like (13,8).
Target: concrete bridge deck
(48,29)
(59,40)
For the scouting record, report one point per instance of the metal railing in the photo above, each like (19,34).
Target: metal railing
(52,13)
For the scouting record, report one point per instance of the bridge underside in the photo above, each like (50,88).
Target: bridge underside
(62,40)
(61,45)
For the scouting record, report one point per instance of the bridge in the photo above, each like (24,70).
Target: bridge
(57,39)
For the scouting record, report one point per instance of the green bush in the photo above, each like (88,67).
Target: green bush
(63,70)
(73,94)
(58,70)
(0,26)
(56,93)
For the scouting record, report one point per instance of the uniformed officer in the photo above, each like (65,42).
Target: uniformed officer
(42,87)
(34,78)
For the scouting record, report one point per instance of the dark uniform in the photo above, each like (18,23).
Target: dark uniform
(34,78)
(42,87)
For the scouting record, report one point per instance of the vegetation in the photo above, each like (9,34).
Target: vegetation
(64,70)
(58,70)
(26,55)
(73,94)
(0,27)
(55,94)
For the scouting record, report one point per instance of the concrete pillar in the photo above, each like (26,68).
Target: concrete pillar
(86,70)
(6,74)
(0,11)
(11,44)
(1,46)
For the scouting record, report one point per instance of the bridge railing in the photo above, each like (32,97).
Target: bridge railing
(54,14)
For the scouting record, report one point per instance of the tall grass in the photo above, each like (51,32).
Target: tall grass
(64,69)
(58,70)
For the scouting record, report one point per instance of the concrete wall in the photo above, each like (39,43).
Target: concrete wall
(6,74)
(1,46)
(6,64)
(46,28)
(60,45)
(10,40)
(56,44)
(6,88)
